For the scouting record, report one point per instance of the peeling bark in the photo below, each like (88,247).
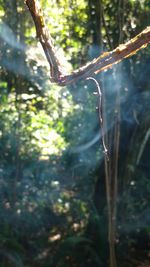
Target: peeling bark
(103,62)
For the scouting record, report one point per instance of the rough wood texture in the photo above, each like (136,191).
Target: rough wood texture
(101,63)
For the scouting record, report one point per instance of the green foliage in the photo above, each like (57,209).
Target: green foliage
(50,162)
(67,21)
(76,251)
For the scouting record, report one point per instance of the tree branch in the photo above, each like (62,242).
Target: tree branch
(103,62)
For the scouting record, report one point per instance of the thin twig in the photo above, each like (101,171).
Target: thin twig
(142,147)
(100,114)
(107,181)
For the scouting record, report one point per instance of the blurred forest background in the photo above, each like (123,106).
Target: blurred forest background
(52,184)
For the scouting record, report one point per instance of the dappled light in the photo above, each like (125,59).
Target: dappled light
(74,161)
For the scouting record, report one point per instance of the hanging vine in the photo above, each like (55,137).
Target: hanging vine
(103,62)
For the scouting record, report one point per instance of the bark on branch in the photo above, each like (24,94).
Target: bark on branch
(104,61)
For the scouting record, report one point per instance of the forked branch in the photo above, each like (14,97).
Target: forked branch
(104,61)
